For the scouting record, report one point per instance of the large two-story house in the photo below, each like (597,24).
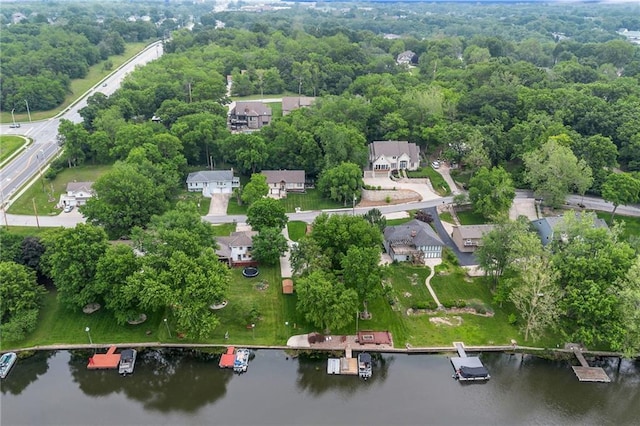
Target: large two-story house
(282,181)
(393,155)
(412,240)
(77,194)
(248,115)
(290,103)
(236,248)
(469,237)
(212,182)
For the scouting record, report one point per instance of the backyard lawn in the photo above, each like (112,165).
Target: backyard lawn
(297,229)
(631,224)
(468,217)
(47,193)
(309,200)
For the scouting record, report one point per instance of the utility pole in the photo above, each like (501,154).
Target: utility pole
(13,118)
(33,200)
(28,112)
(4,208)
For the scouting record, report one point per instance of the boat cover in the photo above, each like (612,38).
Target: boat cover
(470,372)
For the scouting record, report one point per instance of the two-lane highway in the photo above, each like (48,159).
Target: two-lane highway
(29,163)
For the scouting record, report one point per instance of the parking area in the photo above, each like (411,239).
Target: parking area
(419,186)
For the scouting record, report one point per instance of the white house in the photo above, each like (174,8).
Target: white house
(77,194)
(236,248)
(412,239)
(212,182)
(394,155)
(282,181)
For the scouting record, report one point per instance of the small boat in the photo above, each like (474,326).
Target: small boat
(364,365)
(242,361)
(127,361)
(6,362)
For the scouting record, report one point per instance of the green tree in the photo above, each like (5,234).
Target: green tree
(553,171)
(267,213)
(125,198)
(71,258)
(268,246)
(375,217)
(324,302)
(620,188)
(630,308)
(21,299)
(361,271)
(342,182)
(491,192)
(536,293)
(255,189)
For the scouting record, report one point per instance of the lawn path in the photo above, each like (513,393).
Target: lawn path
(432,263)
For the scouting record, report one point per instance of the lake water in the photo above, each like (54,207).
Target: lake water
(173,387)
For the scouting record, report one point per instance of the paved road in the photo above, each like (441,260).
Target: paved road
(465,259)
(30,163)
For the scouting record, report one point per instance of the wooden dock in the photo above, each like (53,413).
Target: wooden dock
(228,359)
(110,360)
(585,373)
(346,365)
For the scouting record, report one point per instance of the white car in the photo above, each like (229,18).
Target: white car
(68,208)
(435,164)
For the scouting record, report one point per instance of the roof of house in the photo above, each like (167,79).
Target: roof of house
(251,108)
(210,176)
(545,226)
(394,149)
(292,102)
(236,239)
(415,233)
(406,56)
(79,186)
(473,232)
(277,176)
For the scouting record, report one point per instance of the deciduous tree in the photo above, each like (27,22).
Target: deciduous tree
(342,182)
(620,188)
(491,192)
(268,246)
(21,299)
(267,213)
(255,189)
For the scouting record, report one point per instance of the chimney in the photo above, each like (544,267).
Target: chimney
(413,233)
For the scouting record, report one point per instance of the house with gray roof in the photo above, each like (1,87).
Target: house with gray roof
(407,58)
(469,237)
(289,103)
(249,115)
(282,181)
(547,227)
(77,194)
(394,155)
(236,248)
(212,182)
(412,240)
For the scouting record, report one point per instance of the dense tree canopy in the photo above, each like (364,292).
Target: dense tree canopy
(21,298)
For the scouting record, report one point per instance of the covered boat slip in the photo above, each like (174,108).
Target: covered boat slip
(468,367)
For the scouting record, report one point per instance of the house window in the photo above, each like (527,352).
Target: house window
(403,164)
(468,243)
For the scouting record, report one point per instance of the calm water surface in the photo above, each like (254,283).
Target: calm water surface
(176,388)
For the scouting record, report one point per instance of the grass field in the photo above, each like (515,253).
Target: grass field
(437,181)
(47,193)
(631,224)
(8,145)
(468,217)
(408,284)
(80,86)
(446,217)
(309,200)
(297,229)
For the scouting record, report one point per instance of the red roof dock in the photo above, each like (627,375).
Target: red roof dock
(227,359)
(110,360)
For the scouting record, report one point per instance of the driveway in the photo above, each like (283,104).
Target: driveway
(444,172)
(419,186)
(219,203)
(465,259)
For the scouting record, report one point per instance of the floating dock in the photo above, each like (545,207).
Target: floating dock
(467,368)
(585,373)
(110,360)
(346,365)
(227,359)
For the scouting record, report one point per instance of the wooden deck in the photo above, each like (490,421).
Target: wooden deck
(585,373)
(110,360)
(227,359)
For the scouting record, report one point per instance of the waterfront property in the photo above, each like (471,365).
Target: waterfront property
(584,372)
(468,368)
(241,362)
(127,361)
(6,362)
(228,358)
(347,365)
(364,365)
(469,237)
(412,241)
(110,360)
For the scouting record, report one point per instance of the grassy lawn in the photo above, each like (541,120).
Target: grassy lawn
(8,145)
(224,229)
(309,200)
(80,86)
(408,284)
(27,231)
(437,181)
(631,224)
(47,193)
(468,217)
(446,217)
(461,176)
(203,203)
(297,229)
(276,109)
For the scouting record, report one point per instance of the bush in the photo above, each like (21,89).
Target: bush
(513,319)
(427,305)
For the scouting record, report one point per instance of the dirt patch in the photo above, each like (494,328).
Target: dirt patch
(454,321)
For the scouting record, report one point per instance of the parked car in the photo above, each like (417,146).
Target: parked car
(435,164)
(68,208)
(15,125)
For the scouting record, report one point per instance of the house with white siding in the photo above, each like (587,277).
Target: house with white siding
(212,182)
(282,181)
(393,155)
